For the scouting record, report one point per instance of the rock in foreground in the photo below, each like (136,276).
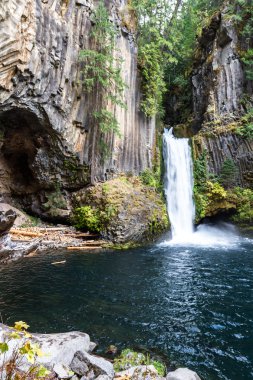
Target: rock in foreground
(68,356)
(182,374)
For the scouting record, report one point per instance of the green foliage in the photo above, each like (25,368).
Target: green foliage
(228,173)
(200,185)
(87,218)
(208,192)
(12,367)
(101,73)
(153,84)
(93,219)
(154,51)
(152,179)
(244,205)
(129,358)
(55,201)
(241,11)
(246,130)
(200,171)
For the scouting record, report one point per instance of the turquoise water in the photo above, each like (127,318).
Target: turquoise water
(193,304)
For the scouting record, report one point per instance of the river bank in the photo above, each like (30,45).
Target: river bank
(70,356)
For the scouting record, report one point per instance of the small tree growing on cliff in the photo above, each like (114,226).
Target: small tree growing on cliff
(101,75)
(228,173)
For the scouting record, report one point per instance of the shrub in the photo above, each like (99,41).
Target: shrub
(244,205)
(12,367)
(129,358)
(87,218)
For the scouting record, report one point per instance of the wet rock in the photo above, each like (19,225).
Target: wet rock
(183,374)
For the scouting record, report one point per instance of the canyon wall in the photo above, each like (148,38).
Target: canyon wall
(46,139)
(221,94)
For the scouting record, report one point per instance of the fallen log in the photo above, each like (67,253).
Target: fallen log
(26,233)
(80,235)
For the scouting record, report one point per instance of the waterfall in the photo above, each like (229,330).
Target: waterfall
(179,184)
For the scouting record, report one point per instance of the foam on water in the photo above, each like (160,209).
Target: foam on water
(221,235)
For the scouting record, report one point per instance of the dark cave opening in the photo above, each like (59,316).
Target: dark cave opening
(21,137)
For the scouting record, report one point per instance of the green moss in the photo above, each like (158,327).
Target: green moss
(122,247)
(159,221)
(129,358)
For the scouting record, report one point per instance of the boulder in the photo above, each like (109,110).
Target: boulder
(98,365)
(182,374)
(7,219)
(21,218)
(58,349)
(61,348)
(62,371)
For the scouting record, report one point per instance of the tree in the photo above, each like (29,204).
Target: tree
(228,173)
(101,75)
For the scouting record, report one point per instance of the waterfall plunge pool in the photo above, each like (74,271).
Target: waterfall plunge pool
(193,304)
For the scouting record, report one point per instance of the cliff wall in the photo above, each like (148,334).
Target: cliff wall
(45,134)
(221,96)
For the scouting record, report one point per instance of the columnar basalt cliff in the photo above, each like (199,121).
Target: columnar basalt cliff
(45,135)
(220,89)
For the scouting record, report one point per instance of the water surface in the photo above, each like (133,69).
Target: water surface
(193,304)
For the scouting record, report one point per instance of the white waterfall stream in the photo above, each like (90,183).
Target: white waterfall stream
(178,188)
(179,184)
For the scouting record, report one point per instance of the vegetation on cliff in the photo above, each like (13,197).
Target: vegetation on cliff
(101,75)
(215,195)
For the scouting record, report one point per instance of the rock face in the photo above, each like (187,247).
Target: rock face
(45,134)
(125,211)
(220,87)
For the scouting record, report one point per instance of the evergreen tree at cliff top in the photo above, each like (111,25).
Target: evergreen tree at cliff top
(167,31)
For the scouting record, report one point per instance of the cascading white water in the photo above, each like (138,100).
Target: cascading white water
(179,184)
(180,204)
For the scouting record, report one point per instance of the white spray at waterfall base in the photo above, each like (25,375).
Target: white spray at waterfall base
(178,186)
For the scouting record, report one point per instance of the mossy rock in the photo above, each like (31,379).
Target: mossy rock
(125,210)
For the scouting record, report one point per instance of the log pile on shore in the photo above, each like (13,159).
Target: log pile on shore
(16,242)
